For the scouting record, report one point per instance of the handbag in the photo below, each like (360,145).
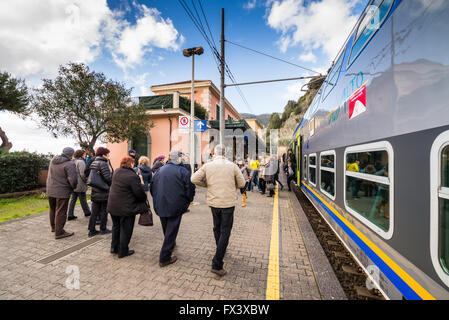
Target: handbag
(146,218)
(139,173)
(95,180)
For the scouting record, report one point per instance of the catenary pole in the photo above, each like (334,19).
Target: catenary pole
(222,80)
(192,115)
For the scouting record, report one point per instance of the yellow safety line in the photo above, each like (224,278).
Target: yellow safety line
(272,292)
(393,265)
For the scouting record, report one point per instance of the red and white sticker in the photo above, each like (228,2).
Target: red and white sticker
(357,103)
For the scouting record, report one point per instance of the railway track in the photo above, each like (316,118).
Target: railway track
(351,276)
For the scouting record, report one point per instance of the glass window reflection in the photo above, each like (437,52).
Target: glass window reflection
(327,182)
(444,234)
(369,199)
(445,167)
(374,163)
(328,161)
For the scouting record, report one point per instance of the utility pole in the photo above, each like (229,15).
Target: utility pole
(192,115)
(222,80)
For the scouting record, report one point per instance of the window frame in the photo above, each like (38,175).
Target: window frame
(350,62)
(306,169)
(372,147)
(333,170)
(312,166)
(337,68)
(437,192)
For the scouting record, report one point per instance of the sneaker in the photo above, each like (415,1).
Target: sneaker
(107,231)
(65,235)
(166,263)
(72,218)
(88,215)
(220,272)
(93,233)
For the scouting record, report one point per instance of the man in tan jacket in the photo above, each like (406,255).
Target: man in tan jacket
(222,178)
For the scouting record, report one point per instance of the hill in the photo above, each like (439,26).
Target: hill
(264,118)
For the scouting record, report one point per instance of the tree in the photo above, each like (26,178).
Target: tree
(13,98)
(85,105)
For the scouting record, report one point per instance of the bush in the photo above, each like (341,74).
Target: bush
(19,170)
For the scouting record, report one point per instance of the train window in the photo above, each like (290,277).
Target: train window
(368,185)
(327,173)
(332,78)
(305,167)
(439,206)
(373,17)
(312,169)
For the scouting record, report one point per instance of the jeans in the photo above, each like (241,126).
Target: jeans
(223,219)
(254,179)
(83,202)
(98,209)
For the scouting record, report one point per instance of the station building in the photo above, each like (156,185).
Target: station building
(172,101)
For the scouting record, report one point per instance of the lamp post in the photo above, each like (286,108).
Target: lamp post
(187,53)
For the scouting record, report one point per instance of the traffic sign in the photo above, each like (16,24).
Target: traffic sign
(183,124)
(200,125)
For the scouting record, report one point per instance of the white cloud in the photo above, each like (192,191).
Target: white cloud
(293,91)
(308,57)
(150,30)
(38,36)
(251,4)
(315,25)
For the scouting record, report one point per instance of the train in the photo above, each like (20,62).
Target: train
(372,150)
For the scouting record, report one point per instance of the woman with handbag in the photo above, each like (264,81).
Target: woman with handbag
(127,199)
(100,178)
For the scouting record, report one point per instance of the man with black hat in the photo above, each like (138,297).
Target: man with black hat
(133,154)
(61,181)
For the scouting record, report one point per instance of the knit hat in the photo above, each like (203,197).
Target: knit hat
(68,152)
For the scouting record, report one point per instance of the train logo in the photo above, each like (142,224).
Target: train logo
(357,103)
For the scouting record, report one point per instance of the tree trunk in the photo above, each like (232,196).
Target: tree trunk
(6,145)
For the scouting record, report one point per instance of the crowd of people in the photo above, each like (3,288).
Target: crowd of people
(125,192)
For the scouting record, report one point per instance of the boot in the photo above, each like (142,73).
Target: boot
(244,200)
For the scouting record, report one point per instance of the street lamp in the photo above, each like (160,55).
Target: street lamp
(187,53)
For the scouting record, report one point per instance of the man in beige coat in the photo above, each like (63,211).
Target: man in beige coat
(222,178)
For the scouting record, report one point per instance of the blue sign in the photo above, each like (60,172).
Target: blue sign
(200,125)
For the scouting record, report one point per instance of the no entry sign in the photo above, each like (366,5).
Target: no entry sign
(183,124)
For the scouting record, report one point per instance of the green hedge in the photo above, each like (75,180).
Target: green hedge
(19,170)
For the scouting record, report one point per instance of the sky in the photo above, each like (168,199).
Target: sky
(139,43)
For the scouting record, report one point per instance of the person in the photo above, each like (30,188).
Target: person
(353,166)
(126,199)
(157,163)
(270,173)
(222,179)
(262,186)
(276,175)
(185,162)
(291,155)
(133,154)
(61,181)
(254,164)
(143,170)
(172,193)
(247,174)
(291,172)
(99,196)
(81,187)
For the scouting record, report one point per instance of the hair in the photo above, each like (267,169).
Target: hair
(144,161)
(101,151)
(79,153)
(220,150)
(127,162)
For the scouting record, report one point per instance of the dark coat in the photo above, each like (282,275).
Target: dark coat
(102,166)
(62,178)
(146,175)
(172,190)
(126,196)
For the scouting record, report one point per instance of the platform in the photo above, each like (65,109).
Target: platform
(273,254)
